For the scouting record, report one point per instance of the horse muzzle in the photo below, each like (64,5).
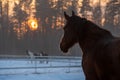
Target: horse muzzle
(63,48)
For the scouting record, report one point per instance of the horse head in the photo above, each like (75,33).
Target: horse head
(71,31)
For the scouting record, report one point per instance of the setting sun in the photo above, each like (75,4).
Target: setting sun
(33,24)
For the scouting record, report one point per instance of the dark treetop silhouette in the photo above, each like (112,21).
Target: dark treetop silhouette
(101,50)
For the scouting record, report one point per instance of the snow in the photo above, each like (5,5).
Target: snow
(24,69)
(48,76)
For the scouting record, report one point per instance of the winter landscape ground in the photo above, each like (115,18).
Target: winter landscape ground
(41,69)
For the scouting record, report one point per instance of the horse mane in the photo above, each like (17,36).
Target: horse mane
(94,29)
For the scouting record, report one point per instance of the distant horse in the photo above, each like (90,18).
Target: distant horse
(101,50)
(41,55)
(31,54)
(45,56)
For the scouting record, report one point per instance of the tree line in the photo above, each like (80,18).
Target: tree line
(15,34)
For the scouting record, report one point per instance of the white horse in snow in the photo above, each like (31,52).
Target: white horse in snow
(31,54)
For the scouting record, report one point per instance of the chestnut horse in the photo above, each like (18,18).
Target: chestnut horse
(101,50)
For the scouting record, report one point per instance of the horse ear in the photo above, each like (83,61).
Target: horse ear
(66,16)
(73,13)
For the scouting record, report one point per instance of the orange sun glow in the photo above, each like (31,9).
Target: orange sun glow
(33,24)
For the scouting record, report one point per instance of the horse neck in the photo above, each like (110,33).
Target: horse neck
(92,35)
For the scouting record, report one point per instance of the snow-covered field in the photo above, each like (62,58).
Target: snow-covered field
(43,69)
(48,76)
